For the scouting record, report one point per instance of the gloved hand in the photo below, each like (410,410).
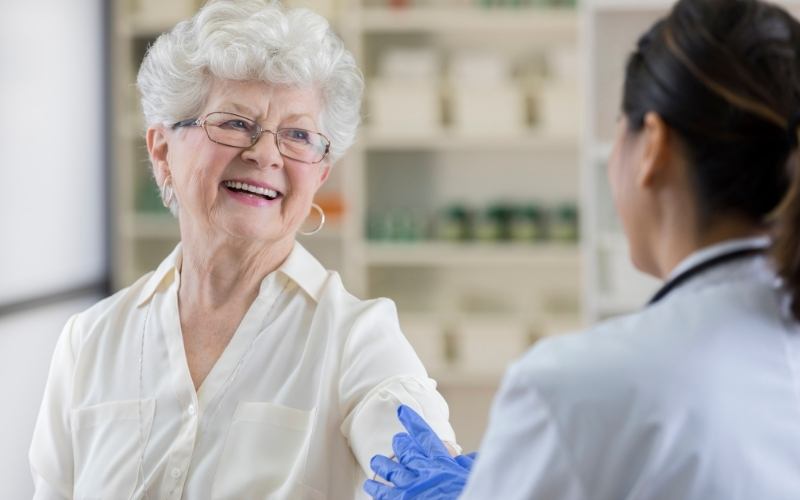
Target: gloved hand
(425,470)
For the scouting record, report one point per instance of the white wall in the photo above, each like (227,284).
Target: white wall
(51,205)
(51,146)
(26,344)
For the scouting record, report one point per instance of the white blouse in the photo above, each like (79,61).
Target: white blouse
(300,400)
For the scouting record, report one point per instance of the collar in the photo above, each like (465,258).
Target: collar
(165,274)
(712,256)
(305,270)
(300,267)
(710,252)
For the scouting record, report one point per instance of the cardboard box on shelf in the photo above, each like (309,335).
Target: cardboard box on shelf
(404,108)
(558,108)
(488,109)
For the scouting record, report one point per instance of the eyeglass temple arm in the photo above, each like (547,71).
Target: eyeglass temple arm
(187,123)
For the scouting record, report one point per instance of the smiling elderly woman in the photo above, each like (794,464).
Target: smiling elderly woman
(240,368)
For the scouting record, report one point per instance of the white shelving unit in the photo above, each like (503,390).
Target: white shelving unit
(454,297)
(610,30)
(442,255)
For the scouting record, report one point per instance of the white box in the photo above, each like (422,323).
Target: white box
(405,64)
(488,345)
(477,67)
(404,108)
(563,63)
(488,110)
(558,109)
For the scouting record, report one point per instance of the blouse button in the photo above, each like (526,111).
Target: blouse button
(176,473)
(191,410)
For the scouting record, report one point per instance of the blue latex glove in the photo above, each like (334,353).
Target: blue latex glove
(425,470)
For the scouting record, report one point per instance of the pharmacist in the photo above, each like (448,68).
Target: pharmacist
(697,397)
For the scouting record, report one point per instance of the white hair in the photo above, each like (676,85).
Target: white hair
(252,40)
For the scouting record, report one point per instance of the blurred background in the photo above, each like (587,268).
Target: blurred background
(475,196)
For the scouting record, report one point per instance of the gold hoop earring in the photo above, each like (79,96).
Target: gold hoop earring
(321,221)
(167,193)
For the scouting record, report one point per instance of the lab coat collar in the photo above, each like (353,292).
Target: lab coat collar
(300,266)
(712,251)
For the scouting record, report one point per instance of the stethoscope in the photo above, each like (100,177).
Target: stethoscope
(724,258)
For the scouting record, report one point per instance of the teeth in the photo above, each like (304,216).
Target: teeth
(252,189)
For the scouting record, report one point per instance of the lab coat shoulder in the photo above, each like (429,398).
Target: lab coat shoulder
(662,346)
(560,415)
(646,402)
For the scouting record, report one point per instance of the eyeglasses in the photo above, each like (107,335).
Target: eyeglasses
(238,131)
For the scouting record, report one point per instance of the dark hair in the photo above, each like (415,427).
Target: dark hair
(725,76)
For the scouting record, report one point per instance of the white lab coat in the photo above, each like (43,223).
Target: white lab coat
(696,397)
(300,400)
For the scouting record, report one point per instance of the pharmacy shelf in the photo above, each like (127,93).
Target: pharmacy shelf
(445,254)
(450,142)
(549,24)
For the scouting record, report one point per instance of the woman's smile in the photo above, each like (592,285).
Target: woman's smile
(251,193)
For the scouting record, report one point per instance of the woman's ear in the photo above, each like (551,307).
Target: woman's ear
(656,155)
(324,174)
(157,147)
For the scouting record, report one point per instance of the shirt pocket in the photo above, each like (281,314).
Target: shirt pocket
(264,454)
(107,441)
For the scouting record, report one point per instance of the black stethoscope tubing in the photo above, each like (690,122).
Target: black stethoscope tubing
(670,285)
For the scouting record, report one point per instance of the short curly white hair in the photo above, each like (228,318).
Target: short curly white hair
(252,40)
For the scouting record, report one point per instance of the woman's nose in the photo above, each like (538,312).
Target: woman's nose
(264,153)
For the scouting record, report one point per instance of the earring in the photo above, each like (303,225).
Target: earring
(167,193)
(321,221)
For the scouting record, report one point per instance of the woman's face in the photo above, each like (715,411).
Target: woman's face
(630,199)
(205,174)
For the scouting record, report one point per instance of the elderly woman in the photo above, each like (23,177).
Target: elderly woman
(240,368)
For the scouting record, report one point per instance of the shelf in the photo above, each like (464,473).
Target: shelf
(546,24)
(467,254)
(449,142)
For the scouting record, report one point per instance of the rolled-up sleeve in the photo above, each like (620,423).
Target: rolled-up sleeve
(381,371)
(51,448)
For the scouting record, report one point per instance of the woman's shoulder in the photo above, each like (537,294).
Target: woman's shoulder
(110,309)
(648,352)
(337,299)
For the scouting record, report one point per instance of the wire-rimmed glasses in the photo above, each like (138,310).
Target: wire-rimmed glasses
(237,131)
